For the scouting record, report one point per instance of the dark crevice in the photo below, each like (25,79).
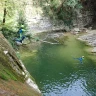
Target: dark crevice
(90,6)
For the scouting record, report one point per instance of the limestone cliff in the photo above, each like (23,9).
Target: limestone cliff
(14,78)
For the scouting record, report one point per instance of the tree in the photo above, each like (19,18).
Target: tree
(61,9)
(8,6)
(4,16)
(11,18)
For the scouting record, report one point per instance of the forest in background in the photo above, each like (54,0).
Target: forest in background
(13,14)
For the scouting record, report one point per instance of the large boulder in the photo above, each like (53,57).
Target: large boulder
(12,68)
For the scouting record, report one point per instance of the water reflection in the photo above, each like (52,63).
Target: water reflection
(71,85)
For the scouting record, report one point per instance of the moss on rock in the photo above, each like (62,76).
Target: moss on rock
(12,73)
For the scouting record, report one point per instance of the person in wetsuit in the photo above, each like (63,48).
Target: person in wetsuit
(80,59)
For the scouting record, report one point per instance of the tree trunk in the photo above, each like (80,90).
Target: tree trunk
(4,19)
(4,16)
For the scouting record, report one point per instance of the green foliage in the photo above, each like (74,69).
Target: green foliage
(61,9)
(10,35)
(6,73)
(22,22)
(71,3)
(9,74)
(14,19)
(3,76)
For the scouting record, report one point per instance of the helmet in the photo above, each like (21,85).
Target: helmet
(82,57)
(22,26)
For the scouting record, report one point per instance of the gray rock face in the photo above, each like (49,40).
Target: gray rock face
(6,51)
(90,38)
(94,50)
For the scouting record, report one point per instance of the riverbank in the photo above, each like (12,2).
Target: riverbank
(90,39)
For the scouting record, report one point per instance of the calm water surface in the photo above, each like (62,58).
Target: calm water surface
(57,73)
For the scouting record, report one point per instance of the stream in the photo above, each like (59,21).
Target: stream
(57,73)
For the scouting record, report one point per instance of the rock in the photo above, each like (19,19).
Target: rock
(90,38)
(5,52)
(32,84)
(94,50)
(15,69)
(76,29)
(18,43)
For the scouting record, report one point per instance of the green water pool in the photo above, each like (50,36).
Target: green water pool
(57,73)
